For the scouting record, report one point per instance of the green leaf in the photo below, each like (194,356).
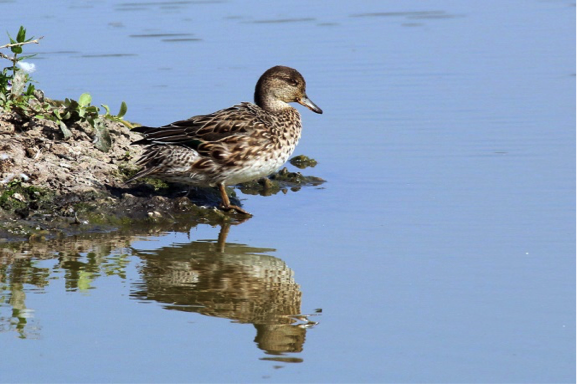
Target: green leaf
(65,131)
(102,139)
(30,90)
(84,99)
(18,84)
(123,109)
(127,124)
(106,108)
(16,50)
(21,37)
(26,57)
(92,109)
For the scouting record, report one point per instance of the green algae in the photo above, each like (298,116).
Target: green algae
(302,162)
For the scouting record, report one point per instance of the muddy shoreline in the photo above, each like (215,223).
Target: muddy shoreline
(52,187)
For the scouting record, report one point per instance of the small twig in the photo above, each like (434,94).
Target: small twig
(35,41)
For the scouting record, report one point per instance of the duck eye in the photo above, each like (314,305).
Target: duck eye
(293,82)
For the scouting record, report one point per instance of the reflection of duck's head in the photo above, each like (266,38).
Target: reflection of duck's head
(231,281)
(280,338)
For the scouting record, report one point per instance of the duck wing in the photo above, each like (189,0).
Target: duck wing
(238,120)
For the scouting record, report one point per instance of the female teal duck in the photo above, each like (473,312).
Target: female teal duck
(234,145)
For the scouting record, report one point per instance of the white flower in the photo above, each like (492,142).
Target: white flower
(26,67)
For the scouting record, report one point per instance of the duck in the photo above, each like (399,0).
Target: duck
(234,145)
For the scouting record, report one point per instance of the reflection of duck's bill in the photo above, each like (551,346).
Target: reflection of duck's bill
(309,104)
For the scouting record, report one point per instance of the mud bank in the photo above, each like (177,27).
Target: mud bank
(53,187)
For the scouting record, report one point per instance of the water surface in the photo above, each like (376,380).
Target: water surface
(441,248)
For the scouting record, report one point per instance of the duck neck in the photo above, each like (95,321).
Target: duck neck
(270,104)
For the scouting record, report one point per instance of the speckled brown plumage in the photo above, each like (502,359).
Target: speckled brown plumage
(234,145)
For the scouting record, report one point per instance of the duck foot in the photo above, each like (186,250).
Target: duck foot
(227,206)
(234,208)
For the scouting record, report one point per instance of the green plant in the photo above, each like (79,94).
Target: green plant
(30,102)
(16,88)
(82,110)
(119,116)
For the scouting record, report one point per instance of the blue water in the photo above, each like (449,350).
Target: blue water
(441,248)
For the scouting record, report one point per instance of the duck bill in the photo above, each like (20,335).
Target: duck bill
(309,104)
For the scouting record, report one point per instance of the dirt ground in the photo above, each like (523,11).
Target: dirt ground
(52,187)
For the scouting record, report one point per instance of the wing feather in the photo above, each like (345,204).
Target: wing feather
(239,120)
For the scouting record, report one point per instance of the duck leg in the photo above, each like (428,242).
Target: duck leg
(226,206)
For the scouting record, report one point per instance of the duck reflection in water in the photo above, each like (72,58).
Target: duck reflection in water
(233,281)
